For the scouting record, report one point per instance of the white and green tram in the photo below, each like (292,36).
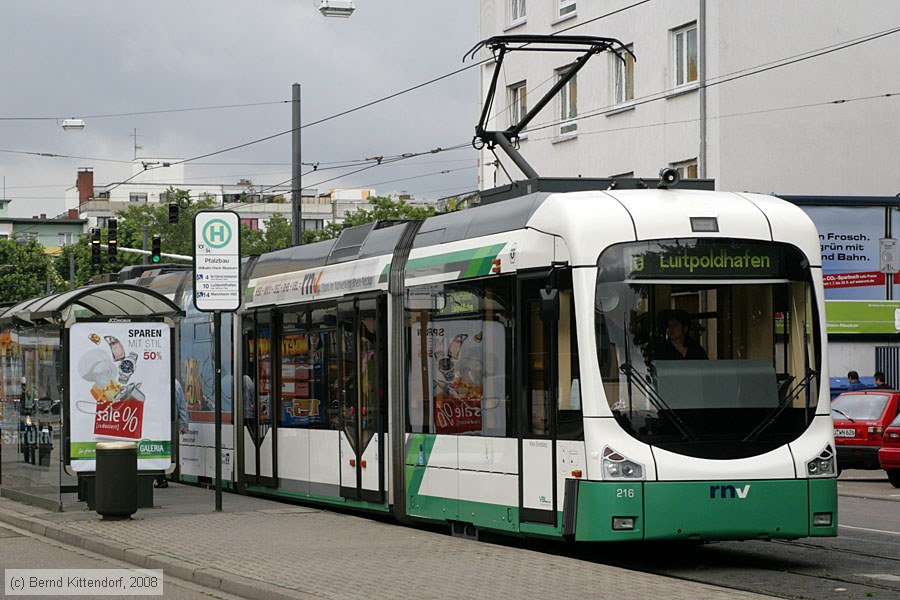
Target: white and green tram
(505,368)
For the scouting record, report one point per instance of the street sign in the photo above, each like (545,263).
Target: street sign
(217,261)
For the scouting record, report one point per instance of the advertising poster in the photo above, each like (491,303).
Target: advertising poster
(197,351)
(855,288)
(465,376)
(120,389)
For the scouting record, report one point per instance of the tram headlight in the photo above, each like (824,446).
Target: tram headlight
(823,465)
(616,466)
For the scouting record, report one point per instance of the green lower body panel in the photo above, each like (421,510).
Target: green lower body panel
(363,505)
(486,516)
(705,510)
(823,500)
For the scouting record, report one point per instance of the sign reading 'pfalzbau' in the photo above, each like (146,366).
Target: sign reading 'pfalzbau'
(217,261)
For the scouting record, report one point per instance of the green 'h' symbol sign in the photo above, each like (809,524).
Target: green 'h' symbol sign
(216,233)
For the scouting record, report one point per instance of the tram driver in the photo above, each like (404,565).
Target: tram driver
(678,343)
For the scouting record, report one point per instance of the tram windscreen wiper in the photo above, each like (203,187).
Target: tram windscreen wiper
(656,400)
(789,398)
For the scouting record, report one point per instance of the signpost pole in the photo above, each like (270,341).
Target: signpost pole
(217,279)
(217,328)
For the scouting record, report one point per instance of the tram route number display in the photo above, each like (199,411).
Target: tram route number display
(120,389)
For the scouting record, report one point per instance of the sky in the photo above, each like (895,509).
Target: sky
(99,59)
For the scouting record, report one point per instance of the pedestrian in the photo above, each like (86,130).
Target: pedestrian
(44,443)
(880,382)
(30,441)
(182,421)
(853,382)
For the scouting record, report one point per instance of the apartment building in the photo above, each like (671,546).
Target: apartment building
(793,97)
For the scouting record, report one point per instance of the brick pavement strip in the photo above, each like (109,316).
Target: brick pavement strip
(297,552)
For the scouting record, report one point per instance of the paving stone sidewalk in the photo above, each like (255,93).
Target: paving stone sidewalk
(262,549)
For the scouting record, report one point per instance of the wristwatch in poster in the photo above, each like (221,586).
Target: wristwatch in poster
(126,368)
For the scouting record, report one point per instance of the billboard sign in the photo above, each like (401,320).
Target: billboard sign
(120,388)
(853,272)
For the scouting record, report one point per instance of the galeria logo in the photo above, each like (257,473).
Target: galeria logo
(729,491)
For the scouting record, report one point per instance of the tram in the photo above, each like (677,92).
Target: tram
(494,369)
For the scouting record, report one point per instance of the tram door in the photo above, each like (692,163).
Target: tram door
(538,402)
(256,400)
(363,353)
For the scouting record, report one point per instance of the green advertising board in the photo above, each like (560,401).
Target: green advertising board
(863,316)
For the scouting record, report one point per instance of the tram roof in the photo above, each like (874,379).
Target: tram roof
(381,239)
(108,299)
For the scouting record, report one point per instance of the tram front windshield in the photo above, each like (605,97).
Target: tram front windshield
(708,348)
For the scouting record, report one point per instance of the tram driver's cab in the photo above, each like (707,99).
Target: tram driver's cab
(703,343)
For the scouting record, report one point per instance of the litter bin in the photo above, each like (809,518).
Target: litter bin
(116,480)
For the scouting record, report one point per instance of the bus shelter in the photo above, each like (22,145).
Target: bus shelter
(40,360)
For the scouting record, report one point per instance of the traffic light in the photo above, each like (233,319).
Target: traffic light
(112,240)
(173,213)
(95,247)
(156,250)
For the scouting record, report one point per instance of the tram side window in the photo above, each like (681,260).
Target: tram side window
(308,370)
(570,424)
(557,367)
(461,354)
(264,364)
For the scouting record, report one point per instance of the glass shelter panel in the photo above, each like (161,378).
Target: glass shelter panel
(30,415)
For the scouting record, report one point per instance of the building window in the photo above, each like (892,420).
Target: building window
(313,224)
(163,197)
(623,76)
(685,43)
(568,104)
(516,11)
(102,222)
(566,8)
(133,197)
(252,224)
(687,169)
(64,239)
(518,105)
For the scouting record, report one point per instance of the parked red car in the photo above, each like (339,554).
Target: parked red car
(860,419)
(889,455)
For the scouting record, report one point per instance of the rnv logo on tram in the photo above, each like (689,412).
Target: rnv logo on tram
(729,489)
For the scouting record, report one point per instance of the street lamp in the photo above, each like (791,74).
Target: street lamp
(73,124)
(336,8)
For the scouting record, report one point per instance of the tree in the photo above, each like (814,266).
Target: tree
(277,235)
(384,208)
(25,271)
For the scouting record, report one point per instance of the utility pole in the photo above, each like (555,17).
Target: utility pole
(296,186)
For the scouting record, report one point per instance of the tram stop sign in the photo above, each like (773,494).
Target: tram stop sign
(217,261)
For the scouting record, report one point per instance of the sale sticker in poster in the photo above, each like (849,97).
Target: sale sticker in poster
(120,386)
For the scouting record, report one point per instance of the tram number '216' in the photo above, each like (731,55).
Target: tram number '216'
(624,493)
